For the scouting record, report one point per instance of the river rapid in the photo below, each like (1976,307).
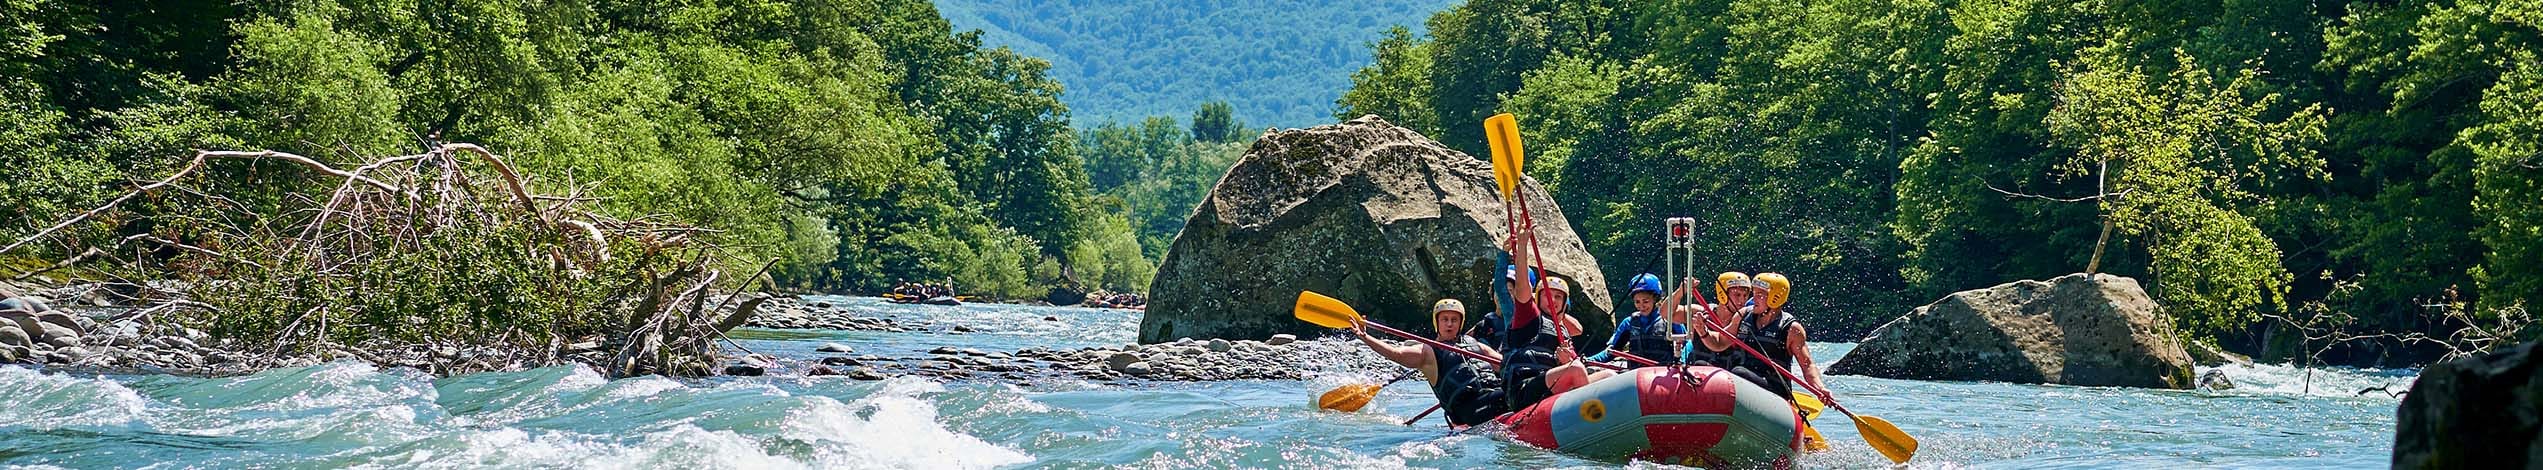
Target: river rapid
(350,414)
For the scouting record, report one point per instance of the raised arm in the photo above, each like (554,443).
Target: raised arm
(1406,355)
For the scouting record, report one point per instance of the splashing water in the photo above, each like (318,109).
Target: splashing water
(355,415)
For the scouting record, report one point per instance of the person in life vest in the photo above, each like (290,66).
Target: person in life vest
(1777,333)
(1645,333)
(1537,361)
(1714,347)
(1467,389)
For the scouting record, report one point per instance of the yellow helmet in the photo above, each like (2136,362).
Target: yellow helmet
(1722,284)
(1778,289)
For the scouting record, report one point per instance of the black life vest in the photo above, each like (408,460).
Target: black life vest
(1467,389)
(1770,339)
(1527,351)
(1651,341)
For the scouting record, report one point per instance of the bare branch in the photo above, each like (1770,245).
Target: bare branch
(2095,197)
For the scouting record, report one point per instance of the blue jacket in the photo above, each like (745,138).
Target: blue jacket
(1636,322)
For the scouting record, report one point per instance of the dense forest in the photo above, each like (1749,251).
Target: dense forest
(2360,168)
(1279,62)
(855,143)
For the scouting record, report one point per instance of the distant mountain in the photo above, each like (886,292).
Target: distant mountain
(1280,62)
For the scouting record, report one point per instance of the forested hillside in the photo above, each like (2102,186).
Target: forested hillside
(855,143)
(1279,62)
(2361,168)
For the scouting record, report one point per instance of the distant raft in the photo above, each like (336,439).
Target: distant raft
(1692,416)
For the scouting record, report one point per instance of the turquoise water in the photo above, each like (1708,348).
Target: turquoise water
(355,415)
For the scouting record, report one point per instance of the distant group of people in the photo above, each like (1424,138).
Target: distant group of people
(922,290)
(1530,334)
(1101,299)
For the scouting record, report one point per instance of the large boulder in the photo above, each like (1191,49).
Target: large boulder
(2482,411)
(2078,329)
(1376,215)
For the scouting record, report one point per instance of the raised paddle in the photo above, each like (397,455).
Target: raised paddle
(1502,131)
(1883,436)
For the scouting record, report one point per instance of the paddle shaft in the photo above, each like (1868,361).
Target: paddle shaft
(1430,342)
(1425,413)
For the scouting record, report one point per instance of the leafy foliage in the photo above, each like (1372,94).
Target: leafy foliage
(1884,152)
(856,142)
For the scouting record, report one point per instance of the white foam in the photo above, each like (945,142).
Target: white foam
(43,401)
(2280,379)
(892,428)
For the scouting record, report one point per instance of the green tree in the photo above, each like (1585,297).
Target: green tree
(1395,87)
(1216,122)
(2174,151)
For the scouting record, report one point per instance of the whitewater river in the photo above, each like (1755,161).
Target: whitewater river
(354,415)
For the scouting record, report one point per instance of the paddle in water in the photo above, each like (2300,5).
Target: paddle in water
(1350,398)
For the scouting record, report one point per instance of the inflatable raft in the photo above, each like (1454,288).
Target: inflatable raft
(1692,416)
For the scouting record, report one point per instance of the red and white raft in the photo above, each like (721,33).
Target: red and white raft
(1691,416)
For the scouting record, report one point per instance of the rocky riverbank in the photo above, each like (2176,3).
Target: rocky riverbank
(1279,357)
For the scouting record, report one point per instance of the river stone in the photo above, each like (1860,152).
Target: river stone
(866,373)
(1280,339)
(1137,368)
(842,361)
(1220,345)
(2482,411)
(834,348)
(745,370)
(2090,330)
(2215,380)
(58,335)
(10,335)
(944,350)
(1376,215)
(61,319)
(1120,360)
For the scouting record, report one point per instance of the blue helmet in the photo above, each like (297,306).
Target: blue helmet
(1645,283)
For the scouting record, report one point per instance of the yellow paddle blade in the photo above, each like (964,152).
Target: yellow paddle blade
(1349,398)
(1324,311)
(1808,404)
(1502,132)
(1886,437)
(1811,440)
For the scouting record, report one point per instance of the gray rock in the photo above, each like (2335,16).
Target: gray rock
(10,335)
(1118,361)
(177,343)
(866,373)
(2097,330)
(1137,368)
(2474,412)
(936,365)
(841,361)
(835,348)
(63,320)
(586,346)
(746,369)
(962,329)
(2214,380)
(1220,345)
(1414,220)
(944,350)
(820,370)
(1285,338)
(999,355)
(13,353)
(1050,318)
(58,335)
(973,352)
